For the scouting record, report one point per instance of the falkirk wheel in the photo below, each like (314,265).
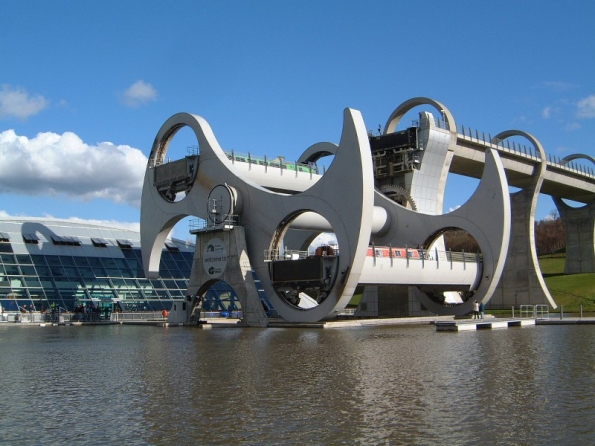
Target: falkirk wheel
(261,217)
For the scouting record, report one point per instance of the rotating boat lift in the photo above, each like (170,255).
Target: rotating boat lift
(262,216)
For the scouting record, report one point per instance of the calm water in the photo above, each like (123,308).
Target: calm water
(381,385)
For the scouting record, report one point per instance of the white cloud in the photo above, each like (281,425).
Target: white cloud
(558,86)
(521,119)
(586,107)
(139,93)
(51,164)
(547,112)
(4,214)
(571,126)
(16,102)
(562,150)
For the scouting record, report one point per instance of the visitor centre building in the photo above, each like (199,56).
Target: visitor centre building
(57,265)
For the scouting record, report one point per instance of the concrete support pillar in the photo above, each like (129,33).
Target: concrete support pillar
(521,282)
(221,256)
(579,224)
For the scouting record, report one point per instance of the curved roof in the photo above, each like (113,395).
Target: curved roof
(35,235)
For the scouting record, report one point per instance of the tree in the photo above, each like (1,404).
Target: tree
(549,235)
(460,240)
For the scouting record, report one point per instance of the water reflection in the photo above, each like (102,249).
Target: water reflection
(383,385)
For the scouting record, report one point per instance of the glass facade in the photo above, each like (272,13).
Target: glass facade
(49,269)
(49,266)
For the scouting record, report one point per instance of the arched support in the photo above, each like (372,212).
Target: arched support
(579,224)
(428,181)
(317,151)
(158,216)
(522,282)
(401,110)
(486,216)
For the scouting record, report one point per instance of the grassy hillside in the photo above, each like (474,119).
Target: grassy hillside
(569,291)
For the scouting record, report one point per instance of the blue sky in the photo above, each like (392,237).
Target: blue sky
(85,86)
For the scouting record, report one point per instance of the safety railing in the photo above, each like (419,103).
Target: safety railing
(66,317)
(271,255)
(137,316)
(525,311)
(541,311)
(527,152)
(414,254)
(533,311)
(278,162)
(35,316)
(224,314)
(424,256)
(199,225)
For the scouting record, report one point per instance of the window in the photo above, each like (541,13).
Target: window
(7,258)
(5,247)
(171,247)
(24,259)
(72,241)
(38,259)
(32,282)
(99,242)
(67,260)
(81,261)
(12,270)
(53,260)
(43,270)
(29,237)
(109,262)
(28,270)
(65,240)
(86,273)
(124,244)
(57,240)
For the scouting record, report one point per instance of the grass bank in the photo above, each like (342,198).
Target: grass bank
(569,291)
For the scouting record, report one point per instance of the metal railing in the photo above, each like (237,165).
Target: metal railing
(234,314)
(378,252)
(527,152)
(288,254)
(278,162)
(541,311)
(427,256)
(533,312)
(35,316)
(199,225)
(525,311)
(137,316)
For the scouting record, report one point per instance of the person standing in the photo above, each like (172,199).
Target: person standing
(482,310)
(475,309)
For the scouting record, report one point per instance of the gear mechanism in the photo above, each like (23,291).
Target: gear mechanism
(399,195)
